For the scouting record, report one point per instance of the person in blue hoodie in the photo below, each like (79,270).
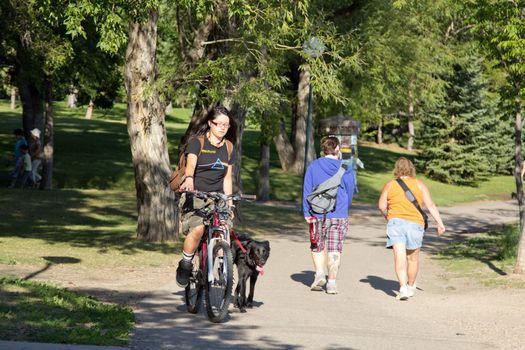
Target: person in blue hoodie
(328,231)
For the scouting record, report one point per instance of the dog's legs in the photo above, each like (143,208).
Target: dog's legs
(334,261)
(237,292)
(253,279)
(242,296)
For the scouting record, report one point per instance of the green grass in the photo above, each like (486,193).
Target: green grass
(95,227)
(38,312)
(488,258)
(95,154)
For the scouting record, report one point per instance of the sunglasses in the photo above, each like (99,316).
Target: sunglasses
(221,125)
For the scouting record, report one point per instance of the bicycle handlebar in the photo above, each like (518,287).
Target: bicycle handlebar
(217,196)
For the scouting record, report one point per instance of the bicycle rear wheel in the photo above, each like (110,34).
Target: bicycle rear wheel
(219,291)
(193,291)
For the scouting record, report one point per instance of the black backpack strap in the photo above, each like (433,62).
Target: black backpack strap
(410,196)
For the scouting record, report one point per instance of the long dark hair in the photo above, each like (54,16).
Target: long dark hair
(231,134)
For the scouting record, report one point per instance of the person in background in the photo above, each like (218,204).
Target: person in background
(35,151)
(22,168)
(405,224)
(330,230)
(20,141)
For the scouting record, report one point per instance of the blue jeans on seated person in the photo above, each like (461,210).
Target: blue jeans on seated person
(403,231)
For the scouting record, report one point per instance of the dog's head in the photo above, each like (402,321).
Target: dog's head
(258,252)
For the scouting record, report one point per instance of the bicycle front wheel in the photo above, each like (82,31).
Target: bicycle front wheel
(193,292)
(219,290)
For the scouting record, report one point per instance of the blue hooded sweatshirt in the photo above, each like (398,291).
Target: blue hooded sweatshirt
(320,170)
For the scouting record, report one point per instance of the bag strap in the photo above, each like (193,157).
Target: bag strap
(337,176)
(410,196)
(229,147)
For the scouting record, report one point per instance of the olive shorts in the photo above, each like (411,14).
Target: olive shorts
(192,214)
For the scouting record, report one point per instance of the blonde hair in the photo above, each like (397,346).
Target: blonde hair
(404,167)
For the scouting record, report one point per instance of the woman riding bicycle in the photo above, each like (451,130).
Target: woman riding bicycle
(209,168)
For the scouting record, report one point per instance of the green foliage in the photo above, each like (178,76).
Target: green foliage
(403,51)
(34,311)
(500,28)
(458,140)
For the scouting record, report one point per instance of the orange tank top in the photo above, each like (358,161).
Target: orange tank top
(398,204)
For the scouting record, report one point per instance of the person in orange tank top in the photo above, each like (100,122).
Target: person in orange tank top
(405,225)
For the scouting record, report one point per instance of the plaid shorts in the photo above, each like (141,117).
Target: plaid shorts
(330,233)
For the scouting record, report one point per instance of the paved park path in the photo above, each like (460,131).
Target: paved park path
(444,314)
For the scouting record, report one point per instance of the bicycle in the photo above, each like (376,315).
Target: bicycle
(213,262)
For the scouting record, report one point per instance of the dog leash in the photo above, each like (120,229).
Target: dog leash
(237,241)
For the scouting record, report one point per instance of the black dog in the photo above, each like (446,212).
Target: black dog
(249,265)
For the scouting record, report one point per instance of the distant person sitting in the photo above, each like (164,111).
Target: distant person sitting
(35,151)
(22,168)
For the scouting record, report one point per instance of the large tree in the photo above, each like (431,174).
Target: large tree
(500,26)
(136,24)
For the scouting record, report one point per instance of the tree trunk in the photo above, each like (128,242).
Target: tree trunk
(13,98)
(89,110)
(263,192)
(520,261)
(410,144)
(32,106)
(47,162)
(292,155)
(239,115)
(380,131)
(156,204)
(301,117)
(72,98)
(284,148)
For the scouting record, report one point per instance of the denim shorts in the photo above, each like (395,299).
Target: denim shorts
(403,231)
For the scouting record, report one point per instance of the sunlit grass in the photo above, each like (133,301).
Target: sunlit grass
(32,311)
(96,227)
(489,258)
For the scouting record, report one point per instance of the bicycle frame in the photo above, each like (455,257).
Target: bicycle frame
(208,243)
(213,237)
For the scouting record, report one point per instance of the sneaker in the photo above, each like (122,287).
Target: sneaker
(411,290)
(403,293)
(331,288)
(319,283)
(183,273)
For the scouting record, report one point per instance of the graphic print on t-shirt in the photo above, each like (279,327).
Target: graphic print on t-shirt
(218,165)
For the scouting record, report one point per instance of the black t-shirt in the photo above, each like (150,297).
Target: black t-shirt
(212,165)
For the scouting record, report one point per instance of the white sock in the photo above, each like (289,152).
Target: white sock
(186,256)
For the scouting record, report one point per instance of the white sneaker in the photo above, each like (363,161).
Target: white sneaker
(331,288)
(403,293)
(411,290)
(319,283)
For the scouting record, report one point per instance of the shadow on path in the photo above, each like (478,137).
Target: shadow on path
(164,323)
(379,283)
(304,277)
(53,260)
